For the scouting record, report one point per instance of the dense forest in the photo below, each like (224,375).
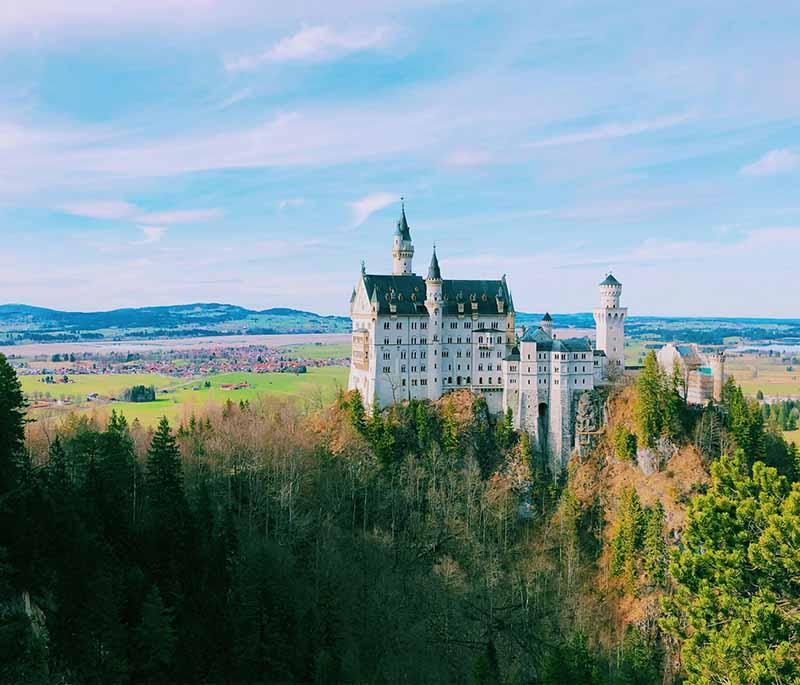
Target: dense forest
(425,543)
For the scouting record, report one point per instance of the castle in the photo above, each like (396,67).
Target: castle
(701,375)
(419,338)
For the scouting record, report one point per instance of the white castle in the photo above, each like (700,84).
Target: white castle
(419,338)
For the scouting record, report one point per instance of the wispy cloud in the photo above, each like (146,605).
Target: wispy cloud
(182,216)
(611,131)
(369,204)
(314,44)
(152,234)
(101,209)
(121,210)
(291,202)
(773,162)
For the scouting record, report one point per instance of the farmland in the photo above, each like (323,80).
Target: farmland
(178,400)
(771,375)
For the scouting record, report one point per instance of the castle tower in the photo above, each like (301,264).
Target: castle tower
(609,319)
(717,360)
(433,303)
(402,247)
(546,324)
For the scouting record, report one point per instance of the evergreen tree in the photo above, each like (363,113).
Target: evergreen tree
(154,639)
(648,408)
(655,546)
(12,428)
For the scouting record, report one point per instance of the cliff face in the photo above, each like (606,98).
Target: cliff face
(603,481)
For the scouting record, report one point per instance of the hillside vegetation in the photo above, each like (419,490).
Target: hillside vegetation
(424,543)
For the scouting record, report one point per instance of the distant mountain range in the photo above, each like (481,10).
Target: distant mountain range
(22,323)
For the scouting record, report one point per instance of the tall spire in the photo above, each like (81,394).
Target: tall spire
(402,225)
(434,272)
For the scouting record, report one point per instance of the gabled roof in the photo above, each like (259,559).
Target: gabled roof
(547,344)
(610,280)
(547,317)
(407,294)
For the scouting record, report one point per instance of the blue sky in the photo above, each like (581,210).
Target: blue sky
(167,151)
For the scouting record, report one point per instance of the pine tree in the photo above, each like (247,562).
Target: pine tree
(154,638)
(655,547)
(12,427)
(648,407)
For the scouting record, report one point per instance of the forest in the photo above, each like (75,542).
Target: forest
(425,543)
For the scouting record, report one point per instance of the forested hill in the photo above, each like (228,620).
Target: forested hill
(426,543)
(23,323)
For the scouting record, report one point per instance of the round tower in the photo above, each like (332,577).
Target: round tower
(402,247)
(717,362)
(609,319)
(433,303)
(546,324)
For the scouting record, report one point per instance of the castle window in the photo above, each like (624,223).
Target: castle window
(450,341)
(454,324)
(424,325)
(469,353)
(413,369)
(404,382)
(413,381)
(413,354)
(423,341)
(386,341)
(450,380)
(480,367)
(387,355)
(458,340)
(386,325)
(423,354)
(422,367)
(403,368)
(402,354)
(387,369)
(399,325)
(413,341)
(399,341)
(445,353)
(480,380)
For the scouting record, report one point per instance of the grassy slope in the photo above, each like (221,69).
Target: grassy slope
(318,384)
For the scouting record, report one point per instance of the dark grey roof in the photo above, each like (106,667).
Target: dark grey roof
(547,344)
(407,294)
(610,280)
(547,317)
(599,353)
(434,272)
(402,225)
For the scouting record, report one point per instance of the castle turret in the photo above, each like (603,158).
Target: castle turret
(402,247)
(546,324)
(609,320)
(433,303)
(717,361)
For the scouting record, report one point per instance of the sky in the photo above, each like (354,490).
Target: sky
(253,152)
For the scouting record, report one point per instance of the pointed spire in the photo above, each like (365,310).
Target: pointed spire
(402,225)
(434,272)
(547,317)
(363,267)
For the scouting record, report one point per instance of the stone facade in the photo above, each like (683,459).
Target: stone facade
(702,375)
(419,338)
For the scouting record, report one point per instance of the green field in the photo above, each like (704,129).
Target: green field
(180,400)
(768,374)
(320,351)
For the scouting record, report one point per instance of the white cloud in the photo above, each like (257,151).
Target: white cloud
(291,202)
(120,210)
(181,216)
(611,131)
(152,234)
(369,204)
(774,162)
(101,209)
(313,44)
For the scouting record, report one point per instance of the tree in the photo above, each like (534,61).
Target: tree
(736,606)
(12,428)
(628,539)
(154,638)
(624,444)
(648,409)
(655,546)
